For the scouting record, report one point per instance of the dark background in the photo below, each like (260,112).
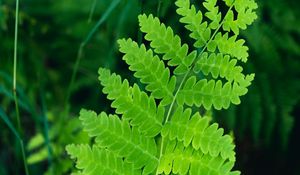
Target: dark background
(266,125)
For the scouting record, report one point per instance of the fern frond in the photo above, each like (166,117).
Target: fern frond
(150,69)
(117,136)
(96,160)
(188,143)
(219,65)
(245,15)
(231,46)
(179,159)
(201,31)
(163,41)
(207,93)
(135,105)
(193,20)
(196,131)
(213,13)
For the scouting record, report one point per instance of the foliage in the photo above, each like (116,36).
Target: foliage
(158,131)
(50,33)
(267,112)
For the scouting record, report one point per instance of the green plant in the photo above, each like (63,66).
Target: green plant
(165,129)
(267,114)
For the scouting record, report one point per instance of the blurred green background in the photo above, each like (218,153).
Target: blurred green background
(266,125)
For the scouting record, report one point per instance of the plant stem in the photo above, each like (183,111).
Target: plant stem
(24,157)
(73,76)
(158,8)
(15,87)
(92,11)
(15,67)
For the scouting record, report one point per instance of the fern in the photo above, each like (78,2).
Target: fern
(109,162)
(155,75)
(196,131)
(158,132)
(127,142)
(183,160)
(267,114)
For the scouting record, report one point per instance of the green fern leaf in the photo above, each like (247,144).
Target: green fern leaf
(245,15)
(231,46)
(150,69)
(202,31)
(196,131)
(213,13)
(193,20)
(125,142)
(133,104)
(222,66)
(96,160)
(165,42)
(207,93)
(179,159)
